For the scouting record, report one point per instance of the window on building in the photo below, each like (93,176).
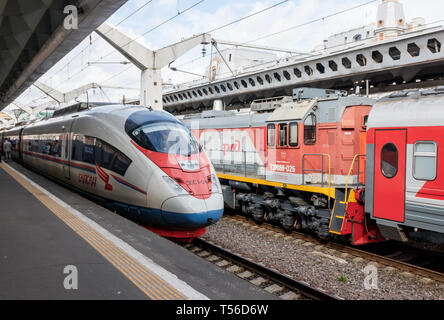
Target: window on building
(271,135)
(425,159)
(293,134)
(310,130)
(283,132)
(389,160)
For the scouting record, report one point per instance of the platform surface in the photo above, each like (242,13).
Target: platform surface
(46,228)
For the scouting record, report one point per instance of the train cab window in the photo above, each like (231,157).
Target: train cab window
(271,135)
(310,130)
(424,162)
(166,137)
(283,134)
(389,160)
(293,134)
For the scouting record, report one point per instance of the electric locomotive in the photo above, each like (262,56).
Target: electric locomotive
(311,162)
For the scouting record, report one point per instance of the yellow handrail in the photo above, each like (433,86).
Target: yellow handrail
(349,173)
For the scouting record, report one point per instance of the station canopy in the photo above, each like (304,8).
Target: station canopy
(33,38)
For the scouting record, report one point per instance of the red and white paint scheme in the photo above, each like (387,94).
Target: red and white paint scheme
(142,163)
(405,171)
(337,165)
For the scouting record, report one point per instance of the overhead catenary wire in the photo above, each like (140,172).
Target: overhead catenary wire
(281,31)
(91,42)
(312,21)
(246,17)
(356,43)
(145,33)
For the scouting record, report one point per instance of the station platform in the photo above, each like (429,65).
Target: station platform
(55,244)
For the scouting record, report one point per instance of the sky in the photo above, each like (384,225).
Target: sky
(204,16)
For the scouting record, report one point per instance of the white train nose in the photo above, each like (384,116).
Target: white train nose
(188,211)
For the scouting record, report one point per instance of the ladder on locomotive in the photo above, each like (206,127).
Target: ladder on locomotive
(339,211)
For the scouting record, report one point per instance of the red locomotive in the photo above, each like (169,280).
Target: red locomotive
(337,165)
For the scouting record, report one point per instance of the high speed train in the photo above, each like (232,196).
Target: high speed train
(143,164)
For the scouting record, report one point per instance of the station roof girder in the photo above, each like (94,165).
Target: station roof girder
(33,38)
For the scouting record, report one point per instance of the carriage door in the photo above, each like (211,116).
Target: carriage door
(20,144)
(390,157)
(67,149)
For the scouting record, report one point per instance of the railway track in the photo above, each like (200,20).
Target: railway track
(270,280)
(364,254)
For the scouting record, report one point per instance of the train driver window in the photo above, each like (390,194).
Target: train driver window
(283,132)
(364,125)
(271,135)
(389,160)
(424,162)
(293,134)
(310,130)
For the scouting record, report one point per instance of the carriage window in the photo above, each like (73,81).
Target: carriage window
(310,130)
(424,162)
(389,160)
(120,163)
(271,135)
(293,134)
(88,150)
(283,131)
(93,150)
(104,154)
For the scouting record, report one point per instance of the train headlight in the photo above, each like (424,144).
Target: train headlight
(215,185)
(174,185)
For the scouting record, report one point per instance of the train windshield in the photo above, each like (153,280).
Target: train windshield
(166,137)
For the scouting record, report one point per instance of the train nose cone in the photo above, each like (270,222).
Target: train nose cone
(185,212)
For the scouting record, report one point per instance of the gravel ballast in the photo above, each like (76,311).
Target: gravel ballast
(327,269)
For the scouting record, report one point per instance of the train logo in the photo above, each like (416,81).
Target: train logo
(104,177)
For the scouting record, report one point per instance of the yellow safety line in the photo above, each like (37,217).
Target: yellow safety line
(327,191)
(133,265)
(99,244)
(148,282)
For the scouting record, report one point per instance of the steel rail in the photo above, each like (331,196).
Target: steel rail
(274,276)
(401,265)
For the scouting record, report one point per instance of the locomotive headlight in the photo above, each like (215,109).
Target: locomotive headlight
(174,185)
(215,185)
